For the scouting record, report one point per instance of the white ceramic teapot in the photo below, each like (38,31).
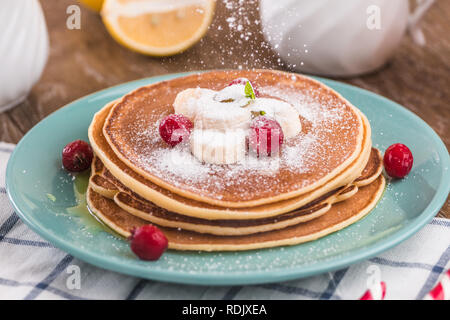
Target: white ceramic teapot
(23,49)
(338,38)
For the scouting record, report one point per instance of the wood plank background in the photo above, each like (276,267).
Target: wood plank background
(86,60)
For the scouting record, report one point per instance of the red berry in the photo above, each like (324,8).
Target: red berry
(243,81)
(148,242)
(266,136)
(175,128)
(77,156)
(398,160)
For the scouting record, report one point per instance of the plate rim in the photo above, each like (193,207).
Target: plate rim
(241,278)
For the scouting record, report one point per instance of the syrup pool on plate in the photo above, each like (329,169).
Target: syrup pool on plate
(86,218)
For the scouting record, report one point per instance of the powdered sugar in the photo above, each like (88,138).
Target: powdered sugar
(308,106)
(298,155)
(328,137)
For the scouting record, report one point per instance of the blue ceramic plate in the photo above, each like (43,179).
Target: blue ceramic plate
(44,197)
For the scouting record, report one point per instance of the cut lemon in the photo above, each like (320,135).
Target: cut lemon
(157,27)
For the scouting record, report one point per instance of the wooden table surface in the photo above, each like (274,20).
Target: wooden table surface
(86,60)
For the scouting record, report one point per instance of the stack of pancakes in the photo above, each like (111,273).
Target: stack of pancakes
(326,178)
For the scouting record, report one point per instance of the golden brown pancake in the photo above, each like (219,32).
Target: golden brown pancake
(146,210)
(175,203)
(373,168)
(106,183)
(103,186)
(218,227)
(339,216)
(332,131)
(132,203)
(346,193)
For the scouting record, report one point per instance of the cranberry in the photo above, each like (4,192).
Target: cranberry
(77,156)
(398,160)
(175,128)
(266,136)
(244,81)
(148,242)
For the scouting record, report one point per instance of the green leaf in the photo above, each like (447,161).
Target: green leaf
(249,93)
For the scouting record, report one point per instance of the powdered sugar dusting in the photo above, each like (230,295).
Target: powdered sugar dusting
(303,159)
(307,105)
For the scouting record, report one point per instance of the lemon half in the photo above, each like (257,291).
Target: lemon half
(157,27)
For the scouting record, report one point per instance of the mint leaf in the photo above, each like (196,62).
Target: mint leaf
(249,93)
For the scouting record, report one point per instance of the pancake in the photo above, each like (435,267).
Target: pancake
(175,203)
(135,205)
(146,210)
(330,141)
(105,183)
(103,186)
(373,168)
(346,193)
(339,216)
(165,218)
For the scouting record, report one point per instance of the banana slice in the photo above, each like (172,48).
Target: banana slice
(222,119)
(218,147)
(206,110)
(284,113)
(186,101)
(231,93)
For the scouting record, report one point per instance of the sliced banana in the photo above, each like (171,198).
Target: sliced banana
(222,118)
(218,147)
(186,102)
(231,93)
(207,111)
(284,113)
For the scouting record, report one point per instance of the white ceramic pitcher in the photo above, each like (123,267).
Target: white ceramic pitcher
(339,38)
(23,49)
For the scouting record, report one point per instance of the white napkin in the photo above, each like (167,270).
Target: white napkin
(31,268)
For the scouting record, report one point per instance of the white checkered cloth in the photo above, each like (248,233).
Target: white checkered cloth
(31,268)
